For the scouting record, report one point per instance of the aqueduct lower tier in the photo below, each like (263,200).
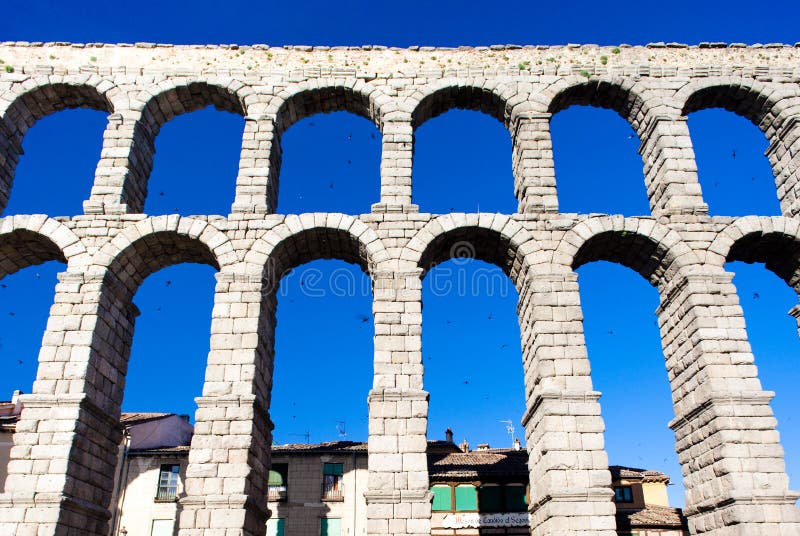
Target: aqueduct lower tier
(63,462)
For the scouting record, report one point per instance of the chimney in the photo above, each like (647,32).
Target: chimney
(517,446)
(448,435)
(483,446)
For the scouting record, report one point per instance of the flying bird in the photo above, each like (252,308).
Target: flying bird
(733,154)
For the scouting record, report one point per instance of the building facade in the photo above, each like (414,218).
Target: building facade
(318,489)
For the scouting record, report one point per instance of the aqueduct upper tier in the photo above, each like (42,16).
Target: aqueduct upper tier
(63,462)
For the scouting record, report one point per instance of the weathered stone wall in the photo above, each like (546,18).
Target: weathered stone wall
(62,468)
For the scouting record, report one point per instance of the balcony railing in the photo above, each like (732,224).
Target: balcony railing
(332,493)
(277,493)
(167,494)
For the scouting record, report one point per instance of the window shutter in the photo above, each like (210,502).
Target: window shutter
(336,469)
(442,501)
(466,498)
(490,499)
(275,526)
(331,526)
(516,501)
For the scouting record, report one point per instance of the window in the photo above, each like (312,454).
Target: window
(278,479)
(623,494)
(332,482)
(275,526)
(162,527)
(466,498)
(442,498)
(516,499)
(330,526)
(168,482)
(508,498)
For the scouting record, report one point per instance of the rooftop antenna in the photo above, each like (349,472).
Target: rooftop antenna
(306,436)
(342,429)
(510,429)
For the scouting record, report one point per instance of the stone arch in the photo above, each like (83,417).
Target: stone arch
(311,97)
(653,251)
(32,240)
(35,98)
(775,241)
(155,243)
(325,95)
(495,99)
(492,98)
(623,96)
(154,107)
(773,108)
(759,102)
(306,237)
(493,238)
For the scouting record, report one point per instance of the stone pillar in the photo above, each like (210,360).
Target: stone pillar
(126,160)
(670,169)
(532,162)
(226,479)
(732,460)
(570,482)
(397,496)
(397,154)
(63,462)
(259,167)
(784,155)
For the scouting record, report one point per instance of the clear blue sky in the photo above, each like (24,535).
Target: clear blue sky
(471,344)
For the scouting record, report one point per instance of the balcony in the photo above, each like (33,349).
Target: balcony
(332,493)
(277,493)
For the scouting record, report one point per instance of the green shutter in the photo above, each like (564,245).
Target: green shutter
(442,501)
(490,498)
(516,501)
(331,526)
(333,469)
(275,526)
(466,498)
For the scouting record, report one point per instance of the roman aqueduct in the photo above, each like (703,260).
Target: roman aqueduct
(63,463)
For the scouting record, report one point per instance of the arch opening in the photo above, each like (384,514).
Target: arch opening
(335,297)
(303,107)
(623,344)
(200,180)
(472,354)
(32,106)
(466,153)
(29,264)
(597,173)
(640,253)
(736,177)
(332,164)
(162,108)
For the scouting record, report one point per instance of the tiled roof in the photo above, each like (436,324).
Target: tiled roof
(180,450)
(130,419)
(650,516)
(631,473)
(478,464)
(331,446)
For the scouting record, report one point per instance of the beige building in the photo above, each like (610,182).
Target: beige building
(318,489)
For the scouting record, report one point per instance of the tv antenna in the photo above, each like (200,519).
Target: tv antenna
(341,427)
(306,436)
(510,429)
